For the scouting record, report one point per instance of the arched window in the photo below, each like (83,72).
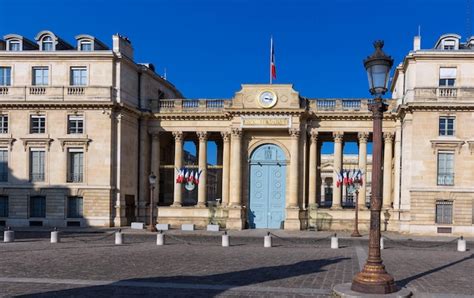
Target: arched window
(47,44)
(85,45)
(14,45)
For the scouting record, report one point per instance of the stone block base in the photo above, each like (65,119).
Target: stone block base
(344,290)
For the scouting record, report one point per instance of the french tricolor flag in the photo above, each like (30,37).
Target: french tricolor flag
(273,74)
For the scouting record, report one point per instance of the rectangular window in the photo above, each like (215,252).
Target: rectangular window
(75,124)
(447,76)
(74,207)
(445,168)
(75,165)
(3,165)
(446,126)
(37,206)
(37,124)
(5,76)
(444,212)
(3,206)
(3,123)
(40,76)
(36,165)
(14,46)
(78,76)
(86,46)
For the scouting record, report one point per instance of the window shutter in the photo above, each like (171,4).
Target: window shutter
(447,72)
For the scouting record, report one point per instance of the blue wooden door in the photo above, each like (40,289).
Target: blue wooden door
(267,187)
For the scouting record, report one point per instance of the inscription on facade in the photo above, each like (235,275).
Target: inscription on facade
(259,122)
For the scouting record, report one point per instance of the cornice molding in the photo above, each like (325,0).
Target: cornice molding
(448,144)
(78,141)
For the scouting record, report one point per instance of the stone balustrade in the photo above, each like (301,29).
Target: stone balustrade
(57,93)
(444,93)
(210,105)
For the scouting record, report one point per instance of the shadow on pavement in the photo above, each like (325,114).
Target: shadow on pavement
(211,284)
(405,281)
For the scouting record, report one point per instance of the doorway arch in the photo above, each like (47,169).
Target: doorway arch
(267,191)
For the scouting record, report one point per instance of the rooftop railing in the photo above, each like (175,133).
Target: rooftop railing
(56,93)
(444,93)
(186,105)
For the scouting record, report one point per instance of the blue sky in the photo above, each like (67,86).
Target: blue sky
(210,47)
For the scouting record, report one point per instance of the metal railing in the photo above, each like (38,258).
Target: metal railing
(75,177)
(36,177)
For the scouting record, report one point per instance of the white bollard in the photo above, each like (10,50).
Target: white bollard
(8,235)
(334,242)
(55,236)
(461,244)
(267,240)
(118,237)
(381,243)
(160,238)
(225,240)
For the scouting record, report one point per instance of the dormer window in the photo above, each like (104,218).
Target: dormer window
(47,44)
(14,45)
(449,45)
(85,45)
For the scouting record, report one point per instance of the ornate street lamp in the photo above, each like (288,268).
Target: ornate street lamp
(152,180)
(373,278)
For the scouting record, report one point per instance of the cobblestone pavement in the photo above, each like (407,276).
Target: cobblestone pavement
(89,264)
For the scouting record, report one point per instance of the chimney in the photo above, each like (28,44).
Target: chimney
(123,45)
(417,43)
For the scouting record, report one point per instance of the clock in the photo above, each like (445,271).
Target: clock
(267,99)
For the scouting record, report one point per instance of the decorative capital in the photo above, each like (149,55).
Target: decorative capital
(313,135)
(202,135)
(294,132)
(225,136)
(236,132)
(338,136)
(363,137)
(388,137)
(178,136)
(378,107)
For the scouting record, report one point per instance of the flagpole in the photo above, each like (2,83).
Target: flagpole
(271,47)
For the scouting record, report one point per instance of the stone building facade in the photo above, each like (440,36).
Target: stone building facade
(269,170)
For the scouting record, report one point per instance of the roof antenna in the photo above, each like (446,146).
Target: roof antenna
(419,30)
(164,74)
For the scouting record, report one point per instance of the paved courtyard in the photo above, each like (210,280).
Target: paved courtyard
(89,264)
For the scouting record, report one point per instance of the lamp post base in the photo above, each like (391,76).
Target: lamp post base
(356,234)
(373,279)
(344,290)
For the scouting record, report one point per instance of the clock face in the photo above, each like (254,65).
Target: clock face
(267,99)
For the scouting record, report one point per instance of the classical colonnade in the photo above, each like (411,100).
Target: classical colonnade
(232,167)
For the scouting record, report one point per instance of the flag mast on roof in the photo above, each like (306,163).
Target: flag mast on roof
(272,61)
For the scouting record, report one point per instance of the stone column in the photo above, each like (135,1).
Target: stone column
(225,168)
(155,165)
(236,166)
(336,191)
(178,163)
(363,137)
(396,162)
(202,186)
(294,158)
(313,166)
(145,160)
(387,171)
